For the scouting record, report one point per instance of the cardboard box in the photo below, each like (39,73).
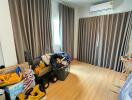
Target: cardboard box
(10,69)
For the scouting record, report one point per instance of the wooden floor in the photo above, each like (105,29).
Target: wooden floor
(86,82)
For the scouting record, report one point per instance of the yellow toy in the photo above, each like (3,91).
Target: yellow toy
(35,93)
(10,78)
(39,67)
(37,70)
(41,64)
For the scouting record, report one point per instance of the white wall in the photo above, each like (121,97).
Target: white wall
(118,6)
(6,35)
(1,56)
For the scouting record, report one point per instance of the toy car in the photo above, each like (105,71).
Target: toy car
(45,78)
(43,72)
(35,93)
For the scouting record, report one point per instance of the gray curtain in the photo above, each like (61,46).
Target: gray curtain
(103,39)
(66,16)
(31,26)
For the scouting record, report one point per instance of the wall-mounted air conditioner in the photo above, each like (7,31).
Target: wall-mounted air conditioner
(102,6)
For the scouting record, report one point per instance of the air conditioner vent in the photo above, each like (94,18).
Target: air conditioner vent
(102,6)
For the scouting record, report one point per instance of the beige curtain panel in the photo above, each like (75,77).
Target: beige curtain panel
(66,16)
(31,26)
(103,39)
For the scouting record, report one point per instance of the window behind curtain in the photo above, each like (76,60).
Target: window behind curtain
(55,27)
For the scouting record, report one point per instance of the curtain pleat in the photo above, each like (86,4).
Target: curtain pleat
(66,20)
(103,39)
(31,27)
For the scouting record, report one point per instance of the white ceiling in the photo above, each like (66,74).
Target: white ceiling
(82,2)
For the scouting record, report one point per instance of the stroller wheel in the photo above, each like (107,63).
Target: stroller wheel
(46,85)
(54,79)
(17,98)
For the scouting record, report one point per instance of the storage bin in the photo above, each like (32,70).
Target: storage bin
(13,90)
(62,72)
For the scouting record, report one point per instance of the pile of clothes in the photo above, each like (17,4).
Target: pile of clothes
(56,60)
(60,59)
